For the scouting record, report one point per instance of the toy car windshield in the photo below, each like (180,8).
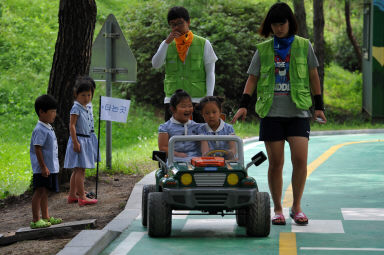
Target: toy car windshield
(205,150)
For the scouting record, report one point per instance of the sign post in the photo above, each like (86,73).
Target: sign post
(112,61)
(110,109)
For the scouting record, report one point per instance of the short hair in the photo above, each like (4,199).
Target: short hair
(209,99)
(45,102)
(178,96)
(84,83)
(278,13)
(178,12)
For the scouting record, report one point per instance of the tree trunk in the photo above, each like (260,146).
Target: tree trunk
(351,37)
(318,31)
(72,57)
(301,18)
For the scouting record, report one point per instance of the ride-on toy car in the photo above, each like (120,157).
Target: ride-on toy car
(216,183)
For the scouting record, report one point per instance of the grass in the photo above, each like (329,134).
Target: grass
(25,62)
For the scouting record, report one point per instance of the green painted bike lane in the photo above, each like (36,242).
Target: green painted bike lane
(343,200)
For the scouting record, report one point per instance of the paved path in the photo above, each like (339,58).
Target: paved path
(343,199)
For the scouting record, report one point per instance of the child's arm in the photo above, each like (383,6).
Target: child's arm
(204,147)
(163,142)
(163,145)
(39,155)
(72,131)
(232,148)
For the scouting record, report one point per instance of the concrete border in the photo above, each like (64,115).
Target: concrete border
(92,242)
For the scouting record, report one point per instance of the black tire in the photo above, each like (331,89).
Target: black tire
(259,216)
(144,201)
(159,215)
(241,217)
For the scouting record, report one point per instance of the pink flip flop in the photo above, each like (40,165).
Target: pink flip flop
(278,219)
(299,218)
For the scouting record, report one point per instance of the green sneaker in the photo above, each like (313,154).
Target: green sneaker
(54,221)
(40,224)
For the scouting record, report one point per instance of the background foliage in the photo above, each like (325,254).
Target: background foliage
(230,26)
(28,31)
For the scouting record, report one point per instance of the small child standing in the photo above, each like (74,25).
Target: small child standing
(210,108)
(179,124)
(80,152)
(44,161)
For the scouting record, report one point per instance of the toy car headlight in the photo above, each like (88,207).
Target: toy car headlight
(232,179)
(186,179)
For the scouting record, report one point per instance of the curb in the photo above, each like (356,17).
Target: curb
(92,242)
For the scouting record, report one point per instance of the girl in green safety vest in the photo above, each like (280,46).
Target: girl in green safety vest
(189,61)
(284,73)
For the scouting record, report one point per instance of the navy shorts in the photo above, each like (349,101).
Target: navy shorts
(279,128)
(51,182)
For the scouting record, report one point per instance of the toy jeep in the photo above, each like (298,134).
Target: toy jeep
(216,183)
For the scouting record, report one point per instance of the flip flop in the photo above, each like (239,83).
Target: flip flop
(299,218)
(87,201)
(54,221)
(39,224)
(278,219)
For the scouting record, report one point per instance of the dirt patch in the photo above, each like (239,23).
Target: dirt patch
(113,193)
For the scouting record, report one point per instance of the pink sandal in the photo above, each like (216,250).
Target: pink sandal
(72,200)
(299,218)
(278,219)
(87,202)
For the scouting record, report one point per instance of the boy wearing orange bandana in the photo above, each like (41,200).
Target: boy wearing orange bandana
(189,61)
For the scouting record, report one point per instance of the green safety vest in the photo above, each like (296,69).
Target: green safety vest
(298,72)
(190,75)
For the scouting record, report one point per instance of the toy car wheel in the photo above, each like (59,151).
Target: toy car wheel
(241,217)
(259,216)
(144,201)
(159,215)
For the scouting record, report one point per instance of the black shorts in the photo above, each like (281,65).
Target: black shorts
(51,182)
(279,128)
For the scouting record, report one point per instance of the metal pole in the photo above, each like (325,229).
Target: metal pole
(98,147)
(108,59)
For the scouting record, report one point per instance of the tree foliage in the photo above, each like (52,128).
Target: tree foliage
(230,26)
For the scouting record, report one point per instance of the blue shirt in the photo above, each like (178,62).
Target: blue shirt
(44,136)
(223,129)
(83,123)
(173,127)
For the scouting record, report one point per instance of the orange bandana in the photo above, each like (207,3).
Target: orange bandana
(183,43)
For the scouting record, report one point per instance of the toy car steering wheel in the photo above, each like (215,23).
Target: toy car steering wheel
(209,153)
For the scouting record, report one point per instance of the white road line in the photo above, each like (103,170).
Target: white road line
(340,249)
(125,246)
(320,226)
(180,217)
(363,213)
(209,225)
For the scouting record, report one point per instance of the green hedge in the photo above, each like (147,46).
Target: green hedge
(230,26)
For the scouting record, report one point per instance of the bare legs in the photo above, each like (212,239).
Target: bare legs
(40,202)
(77,183)
(299,154)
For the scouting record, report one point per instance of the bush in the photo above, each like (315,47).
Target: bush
(230,26)
(342,92)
